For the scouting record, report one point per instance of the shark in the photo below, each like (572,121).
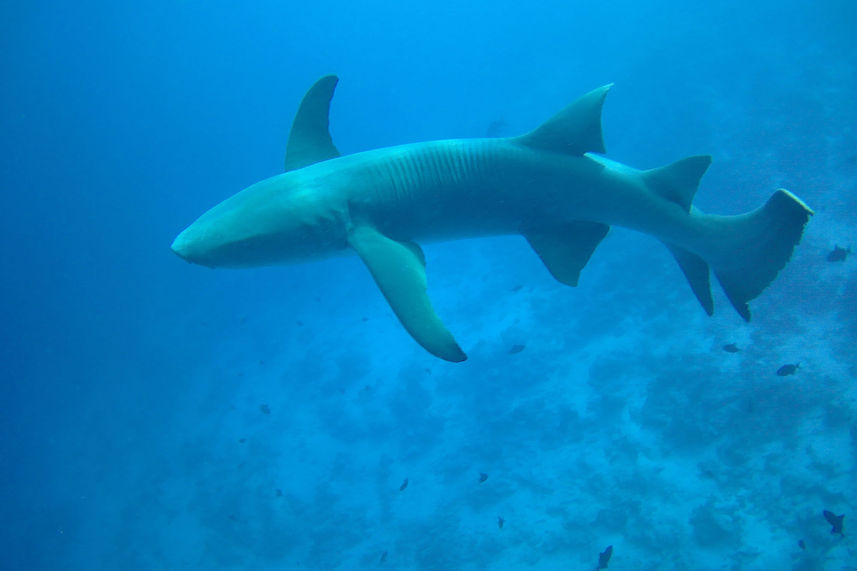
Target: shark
(552,185)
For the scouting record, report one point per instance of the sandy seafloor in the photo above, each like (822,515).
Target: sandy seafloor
(267,418)
(622,422)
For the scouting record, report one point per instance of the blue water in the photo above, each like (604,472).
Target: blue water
(158,415)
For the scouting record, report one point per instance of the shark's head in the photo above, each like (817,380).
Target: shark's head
(281,219)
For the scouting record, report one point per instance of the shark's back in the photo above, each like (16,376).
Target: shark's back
(442,189)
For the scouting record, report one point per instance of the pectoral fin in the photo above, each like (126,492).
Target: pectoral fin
(566,249)
(399,271)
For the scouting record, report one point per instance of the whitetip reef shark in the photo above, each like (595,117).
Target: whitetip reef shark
(548,185)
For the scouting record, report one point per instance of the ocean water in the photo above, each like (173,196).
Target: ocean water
(161,415)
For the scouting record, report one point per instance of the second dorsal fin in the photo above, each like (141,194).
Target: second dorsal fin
(309,139)
(574,130)
(677,182)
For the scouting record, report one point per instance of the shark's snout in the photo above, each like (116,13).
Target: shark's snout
(181,248)
(179,254)
(191,247)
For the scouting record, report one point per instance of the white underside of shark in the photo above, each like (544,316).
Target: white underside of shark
(547,185)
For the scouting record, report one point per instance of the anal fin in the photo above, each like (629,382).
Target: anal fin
(566,249)
(695,269)
(399,271)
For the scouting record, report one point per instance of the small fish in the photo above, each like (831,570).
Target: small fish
(404,485)
(383,557)
(516,348)
(731,348)
(265,409)
(482,477)
(787,370)
(242,440)
(500,522)
(279,492)
(801,544)
(836,521)
(838,254)
(604,558)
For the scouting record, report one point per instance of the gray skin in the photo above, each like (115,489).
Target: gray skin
(546,185)
(436,191)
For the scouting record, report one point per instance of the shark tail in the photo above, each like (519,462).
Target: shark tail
(760,244)
(748,250)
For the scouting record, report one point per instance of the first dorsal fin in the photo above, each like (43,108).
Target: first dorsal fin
(677,182)
(575,130)
(309,139)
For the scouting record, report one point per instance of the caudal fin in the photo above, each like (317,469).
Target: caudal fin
(761,243)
